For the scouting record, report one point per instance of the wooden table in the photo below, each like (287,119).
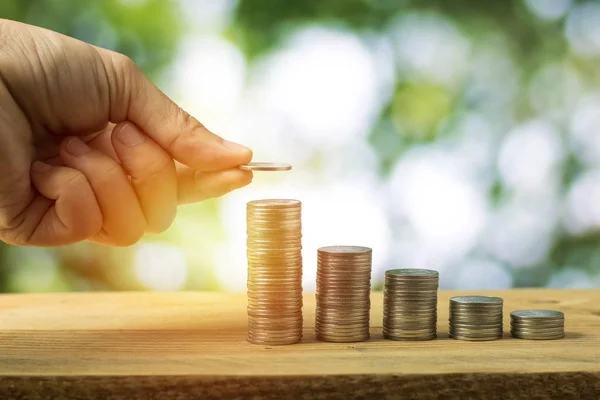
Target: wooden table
(192,346)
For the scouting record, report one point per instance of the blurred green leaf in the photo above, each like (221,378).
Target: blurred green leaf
(147,31)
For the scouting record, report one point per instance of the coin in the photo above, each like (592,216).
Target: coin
(475,338)
(476,318)
(410,304)
(411,273)
(537,324)
(274,283)
(537,315)
(343,293)
(265,166)
(476,300)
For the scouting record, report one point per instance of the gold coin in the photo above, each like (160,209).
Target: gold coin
(274,283)
(273,204)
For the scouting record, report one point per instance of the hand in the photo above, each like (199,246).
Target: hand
(91,150)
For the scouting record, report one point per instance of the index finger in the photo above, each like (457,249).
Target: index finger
(134,98)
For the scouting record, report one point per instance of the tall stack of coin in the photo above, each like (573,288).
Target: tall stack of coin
(537,324)
(410,304)
(343,293)
(274,251)
(476,318)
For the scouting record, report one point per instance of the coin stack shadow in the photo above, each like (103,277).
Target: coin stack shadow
(410,304)
(274,252)
(343,302)
(476,318)
(537,324)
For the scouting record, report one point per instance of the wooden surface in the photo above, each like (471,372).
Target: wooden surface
(192,346)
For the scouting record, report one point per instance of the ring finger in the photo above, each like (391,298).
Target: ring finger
(123,222)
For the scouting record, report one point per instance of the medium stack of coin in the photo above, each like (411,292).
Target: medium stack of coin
(476,318)
(343,293)
(537,324)
(410,304)
(274,251)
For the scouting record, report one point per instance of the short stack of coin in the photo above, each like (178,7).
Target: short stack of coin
(476,318)
(274,251)
(410,304)
(343,293)
(537,324)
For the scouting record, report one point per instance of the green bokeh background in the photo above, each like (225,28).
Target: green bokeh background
(150,32)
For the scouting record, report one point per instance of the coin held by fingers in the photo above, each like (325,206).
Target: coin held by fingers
(265,166)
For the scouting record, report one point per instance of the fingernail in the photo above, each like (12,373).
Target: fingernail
(235,147)
(77,147)
(130,135)
(39,166)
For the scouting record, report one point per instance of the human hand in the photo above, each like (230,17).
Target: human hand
(91,150)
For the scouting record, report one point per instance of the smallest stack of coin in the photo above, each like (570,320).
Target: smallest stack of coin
(476,318)
(537,324)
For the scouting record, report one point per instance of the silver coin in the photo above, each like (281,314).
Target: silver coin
(476,319)
(477,300)
(537,314)
(475,338)
(265,166)
(536,330)
(409,334)
(405,338)
(412,272)
(344,250)
(537,336)
(411,293)
(537,326)
(476,332)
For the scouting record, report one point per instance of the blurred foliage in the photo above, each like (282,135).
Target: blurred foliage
(418,112)
(147,31)
(261,24)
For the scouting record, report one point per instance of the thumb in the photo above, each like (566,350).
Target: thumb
(134,98)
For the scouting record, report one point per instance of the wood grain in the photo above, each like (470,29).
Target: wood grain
(192,346)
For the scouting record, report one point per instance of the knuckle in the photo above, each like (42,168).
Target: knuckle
(155,170)
(124,63)
(112,168)
(104,178)
(123,72)
(188,121)
(189,126)
(75,179)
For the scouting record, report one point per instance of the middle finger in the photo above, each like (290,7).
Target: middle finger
(152,173)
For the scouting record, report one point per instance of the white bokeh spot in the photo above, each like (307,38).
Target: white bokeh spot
(443,208)
(583,204)
(324,82)
(160,267)
(430,47)
(529,156)
(585,130)
(549,10)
